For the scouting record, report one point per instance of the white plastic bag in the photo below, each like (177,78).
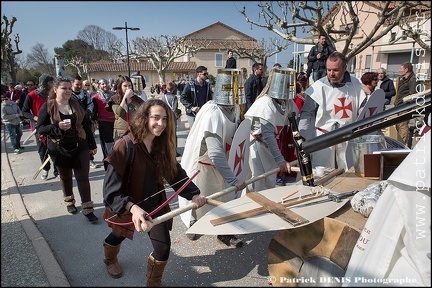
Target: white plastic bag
(364,201)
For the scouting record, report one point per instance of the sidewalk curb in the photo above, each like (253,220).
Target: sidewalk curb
(54,273)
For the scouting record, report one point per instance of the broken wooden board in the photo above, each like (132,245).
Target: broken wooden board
(277,209)
(263,222)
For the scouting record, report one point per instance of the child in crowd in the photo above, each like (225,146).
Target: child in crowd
(11,116)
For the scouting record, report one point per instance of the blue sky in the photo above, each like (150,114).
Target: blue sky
(53,23)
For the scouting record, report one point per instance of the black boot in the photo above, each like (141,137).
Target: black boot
(87,210)
(193,237)
(230,240)
(70,204)
(91,217)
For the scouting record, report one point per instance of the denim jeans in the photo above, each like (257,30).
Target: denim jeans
(15,134)
(318,74)
(387,101)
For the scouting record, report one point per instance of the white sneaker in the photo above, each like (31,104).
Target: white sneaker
(93,164)
(44,175)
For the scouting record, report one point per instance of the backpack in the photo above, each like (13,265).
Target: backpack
(130,154)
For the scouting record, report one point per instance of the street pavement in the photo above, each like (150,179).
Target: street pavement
(43,245)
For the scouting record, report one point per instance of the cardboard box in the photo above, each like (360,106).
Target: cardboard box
(381,164)
(372,165)
(390,160)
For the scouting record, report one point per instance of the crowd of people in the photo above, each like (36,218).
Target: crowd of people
(138,138)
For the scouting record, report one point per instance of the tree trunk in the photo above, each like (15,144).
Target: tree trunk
(12,69)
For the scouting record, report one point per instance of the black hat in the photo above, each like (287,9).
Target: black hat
(200,69)
(44,79)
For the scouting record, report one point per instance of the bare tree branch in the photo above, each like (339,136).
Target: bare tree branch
(319,18)
(8,64)
(76,62)
(417,30)
(41,59)
(163,50)
(99,38)
(257,54)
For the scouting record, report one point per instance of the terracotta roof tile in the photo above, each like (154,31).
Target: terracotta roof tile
(222,44)
(134,66)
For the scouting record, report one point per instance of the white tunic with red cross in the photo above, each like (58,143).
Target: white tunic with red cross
(338,107)
(261,159)
(209,120)
(337,104)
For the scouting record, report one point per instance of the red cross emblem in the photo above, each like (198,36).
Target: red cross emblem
(279,129)
(344,108)
(372,111)
(239,158)
(228,146)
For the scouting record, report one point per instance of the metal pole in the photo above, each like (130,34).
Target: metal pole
(126,28)
(412,53)
(127,49)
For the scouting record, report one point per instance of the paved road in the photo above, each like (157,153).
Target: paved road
(46,246)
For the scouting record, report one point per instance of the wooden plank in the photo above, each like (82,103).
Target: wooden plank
(278,209)
(238,216)
(261,210)
(265,221)
(327,177)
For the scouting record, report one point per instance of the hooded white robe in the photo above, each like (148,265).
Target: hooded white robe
(394,248)
(210,119)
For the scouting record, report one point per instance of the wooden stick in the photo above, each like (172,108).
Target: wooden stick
(214,202)
(192,205)
(41,167)
(328,176)
(297,169)
(277,209)
(261,210)
(28,138)
(289,195)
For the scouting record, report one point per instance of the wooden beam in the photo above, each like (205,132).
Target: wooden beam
(262,210)
(327,177)
(278,209)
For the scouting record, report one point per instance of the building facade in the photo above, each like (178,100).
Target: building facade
(213,57)
(382,53)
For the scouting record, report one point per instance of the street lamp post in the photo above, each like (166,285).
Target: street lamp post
(126,28)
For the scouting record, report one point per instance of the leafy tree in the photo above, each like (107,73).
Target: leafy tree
(284,18)
(291,64)
(77,52)
(212,79)
(73,48)
(28,74)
